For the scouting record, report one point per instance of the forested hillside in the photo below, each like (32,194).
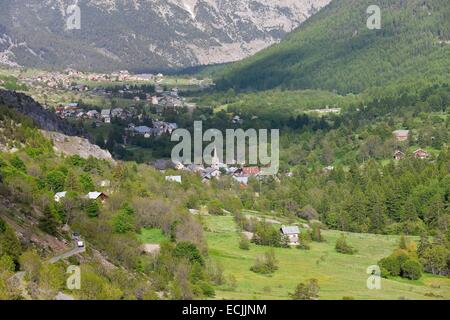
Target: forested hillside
(334,50)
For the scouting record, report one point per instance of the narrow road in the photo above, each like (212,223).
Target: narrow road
(67,254)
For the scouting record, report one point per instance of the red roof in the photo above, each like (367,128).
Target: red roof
(250,170)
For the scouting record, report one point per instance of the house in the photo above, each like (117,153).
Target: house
(195,168)
(398,155)
(421,154)
(105,183)
(60,195)
(237,120)
(292,233)
(143,130)
(71,106)
(97,196)
(92,114)
(401,135)
(106,113)
(328,169)
(241,180)
(210,173)
(173,179)
(250,171)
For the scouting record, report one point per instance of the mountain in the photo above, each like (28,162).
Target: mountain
(335,50)
(141,35)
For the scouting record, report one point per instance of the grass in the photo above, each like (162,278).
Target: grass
(339,275)
(152,235)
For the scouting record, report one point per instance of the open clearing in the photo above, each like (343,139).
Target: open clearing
(339,275)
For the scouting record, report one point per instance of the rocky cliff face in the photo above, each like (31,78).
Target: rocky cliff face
(142,35)
(46,120)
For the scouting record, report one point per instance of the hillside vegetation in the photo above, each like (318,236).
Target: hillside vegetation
(334,50)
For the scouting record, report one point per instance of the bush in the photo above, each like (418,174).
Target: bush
(390,265)
(306,291)
(265,264)
(55,181)
(48,222)
(215,207)
(304,240)
(17,163)
(315,233)
(402,264)
(189,251)
(411,269)
(207,289)
(244,243)
(343,247)
(92,208)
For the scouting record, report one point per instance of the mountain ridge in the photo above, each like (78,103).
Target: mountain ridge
(334,50)
(144,34)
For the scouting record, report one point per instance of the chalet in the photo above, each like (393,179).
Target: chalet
(161,127)
(398,155)
(237,120)
(60,195)
(71,106)
(154,100)
(210,173)
(173,179)
(401,135)
(162,164)
(250,171)
(421,154)
(116,112)
(97,196)
(328,169)
(292,233)
(105,183)
(106,115)
(92,114)
(195,168)
(241,180)
(143,130)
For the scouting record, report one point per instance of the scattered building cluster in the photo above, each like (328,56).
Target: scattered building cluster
(217,169)
(159,128)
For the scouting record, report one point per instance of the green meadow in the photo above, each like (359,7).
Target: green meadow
(340,276)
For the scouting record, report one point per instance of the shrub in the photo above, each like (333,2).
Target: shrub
(411,269)
(215,207)
(92,208)
(55,181)
(390,265)
(304,240)
(48,222)
(189,251)
(265,264)
(244,243)
(343,247)
(207,289)
(306,290)
(17,163)
(315,233)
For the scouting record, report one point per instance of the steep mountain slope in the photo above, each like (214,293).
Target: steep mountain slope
(144,34)
(335,50)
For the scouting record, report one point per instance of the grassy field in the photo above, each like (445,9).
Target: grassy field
(152,235)
(339,275)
